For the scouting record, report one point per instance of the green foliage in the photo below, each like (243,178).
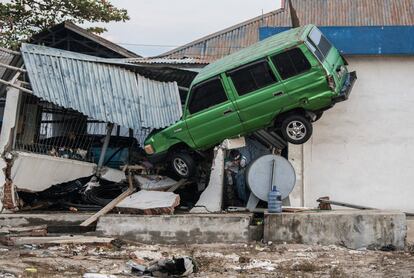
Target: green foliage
(20,19)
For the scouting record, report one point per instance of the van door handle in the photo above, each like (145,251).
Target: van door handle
(277,94)
(228,111)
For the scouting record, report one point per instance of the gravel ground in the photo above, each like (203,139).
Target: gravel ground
(232,260)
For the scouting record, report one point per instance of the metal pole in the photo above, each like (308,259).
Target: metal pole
(109,128)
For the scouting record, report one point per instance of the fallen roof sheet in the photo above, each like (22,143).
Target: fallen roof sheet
(102,89)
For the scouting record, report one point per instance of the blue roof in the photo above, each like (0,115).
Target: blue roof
(363,40)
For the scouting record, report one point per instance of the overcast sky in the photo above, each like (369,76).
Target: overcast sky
(176,22)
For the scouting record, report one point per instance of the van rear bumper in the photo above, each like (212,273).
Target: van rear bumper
(346,88)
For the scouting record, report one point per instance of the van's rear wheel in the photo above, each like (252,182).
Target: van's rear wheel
(296,129)
(183,164)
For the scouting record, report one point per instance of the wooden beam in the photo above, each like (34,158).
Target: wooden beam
(15,86)
(111,205)
(12,68)
(177,185)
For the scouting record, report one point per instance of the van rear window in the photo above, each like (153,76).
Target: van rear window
(291,63)
(319,44)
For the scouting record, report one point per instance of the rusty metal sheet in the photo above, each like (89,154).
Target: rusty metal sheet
(100,88)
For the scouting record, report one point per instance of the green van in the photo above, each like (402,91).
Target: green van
(283,82)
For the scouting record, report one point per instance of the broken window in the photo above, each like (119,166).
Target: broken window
(291,63)
(206,95)
(252,77)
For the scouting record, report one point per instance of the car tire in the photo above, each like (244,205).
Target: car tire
(318,116)
(296,129)
(183,164)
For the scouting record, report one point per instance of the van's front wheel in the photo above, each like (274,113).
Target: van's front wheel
(296,129)
(183,164)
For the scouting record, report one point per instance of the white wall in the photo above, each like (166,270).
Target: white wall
(362,150)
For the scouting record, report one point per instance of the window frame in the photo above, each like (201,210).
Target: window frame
(191,95)
(259,61)
(314,45)
(284,51)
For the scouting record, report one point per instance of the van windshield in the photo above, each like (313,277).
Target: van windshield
(318,44)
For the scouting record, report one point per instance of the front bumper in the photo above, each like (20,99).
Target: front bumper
(346,88)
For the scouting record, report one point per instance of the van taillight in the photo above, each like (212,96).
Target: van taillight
(331,82)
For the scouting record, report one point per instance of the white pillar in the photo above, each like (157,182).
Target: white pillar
(7,133)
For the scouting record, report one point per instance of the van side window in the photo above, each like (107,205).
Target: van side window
(291,63)
(206,95)
(252,77)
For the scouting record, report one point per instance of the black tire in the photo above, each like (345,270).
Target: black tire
(296,129)
(318,116)
(183,164)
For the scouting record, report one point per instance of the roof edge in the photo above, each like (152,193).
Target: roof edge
(99,39)
(218,33)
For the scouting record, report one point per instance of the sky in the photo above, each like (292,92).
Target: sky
(157,26)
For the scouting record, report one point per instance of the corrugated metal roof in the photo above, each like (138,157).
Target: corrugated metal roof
(46,38)
(100,89)
(317,12)
(168,61)
(253,52)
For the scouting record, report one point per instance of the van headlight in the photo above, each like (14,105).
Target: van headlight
(148,149)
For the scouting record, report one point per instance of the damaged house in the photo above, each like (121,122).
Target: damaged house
(61,109)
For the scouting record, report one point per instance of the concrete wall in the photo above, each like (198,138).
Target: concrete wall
(362,150)
(177,229)
(350,228)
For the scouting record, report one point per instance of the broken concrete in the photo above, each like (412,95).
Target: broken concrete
(211,200)
(155,182)
(35,172)
(349,228)
(7,191)
(150,202)
(177,229)
(30,219)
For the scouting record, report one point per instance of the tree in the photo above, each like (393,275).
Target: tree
(20,19)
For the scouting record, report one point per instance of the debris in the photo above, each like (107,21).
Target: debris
(98,275)
(181,266)
(324,205)
(326,200)
(30,270)
(177,185)
(111,205)
(295,209)
(155,182)
(31,241)
(25,231)
(150,202)
(211,199)
(388,248)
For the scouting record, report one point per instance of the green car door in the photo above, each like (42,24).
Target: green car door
(303,76)
(259,94)
(211,116)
